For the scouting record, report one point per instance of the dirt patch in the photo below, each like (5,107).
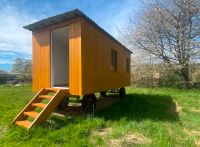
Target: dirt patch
(195,110)
(102,132)
(76,110)
(195,134)
(115,143)
(3,131)
(192,132)
(170,130)
(177,108)
(197,142)
(70,111)
(137,139)
(128,139)
(105,102)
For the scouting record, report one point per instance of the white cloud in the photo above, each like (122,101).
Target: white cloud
(4,61)
(12,36)
(8,53)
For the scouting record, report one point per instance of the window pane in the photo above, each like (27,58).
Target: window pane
(128,65)
(113,60)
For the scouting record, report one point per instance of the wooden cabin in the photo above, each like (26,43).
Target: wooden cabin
(70,51)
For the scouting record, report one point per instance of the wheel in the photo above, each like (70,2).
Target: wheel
(88,103)
(122,92)
(116,90)
(103,93)
(64,103)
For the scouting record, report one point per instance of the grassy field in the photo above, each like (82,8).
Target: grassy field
(145,117)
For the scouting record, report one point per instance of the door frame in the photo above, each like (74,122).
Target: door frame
(51,56)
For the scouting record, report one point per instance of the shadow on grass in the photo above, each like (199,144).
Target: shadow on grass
(140,107)
(136,107)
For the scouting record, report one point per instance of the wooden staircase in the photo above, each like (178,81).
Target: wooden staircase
(37,111)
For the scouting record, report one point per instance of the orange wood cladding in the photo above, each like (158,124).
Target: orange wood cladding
(41,60)
(75,81)
(89,59)
(96,61)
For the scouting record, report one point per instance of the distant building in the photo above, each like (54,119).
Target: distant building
(3,73)
(6,77)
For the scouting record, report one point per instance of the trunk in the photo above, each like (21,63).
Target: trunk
(185,75)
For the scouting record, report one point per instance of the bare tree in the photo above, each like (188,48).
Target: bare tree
(170,30)
(23,69)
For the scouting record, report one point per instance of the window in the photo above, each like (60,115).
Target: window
(128,65)
(113,60)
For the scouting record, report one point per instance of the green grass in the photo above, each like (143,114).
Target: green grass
(161,116)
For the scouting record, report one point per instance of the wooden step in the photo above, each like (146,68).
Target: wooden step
(32,114)
(24,123)
(52,89)
(28,111)
(48,97)
(40,105)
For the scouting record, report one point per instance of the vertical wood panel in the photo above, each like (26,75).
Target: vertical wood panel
(96,61)
(75,70)
(41,60)
(42,54)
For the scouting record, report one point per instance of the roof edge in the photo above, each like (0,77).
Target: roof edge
(101,29)
(71,15)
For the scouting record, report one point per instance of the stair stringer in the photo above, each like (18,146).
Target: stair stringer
(29,107)
(52,104)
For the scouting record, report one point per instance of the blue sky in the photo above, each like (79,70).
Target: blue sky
(14,14)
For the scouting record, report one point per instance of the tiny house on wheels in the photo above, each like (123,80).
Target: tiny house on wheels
(72,56)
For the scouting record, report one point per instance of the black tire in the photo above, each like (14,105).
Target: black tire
(88,103)
(122,92)
(64,103)
(103,93)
